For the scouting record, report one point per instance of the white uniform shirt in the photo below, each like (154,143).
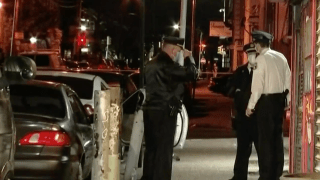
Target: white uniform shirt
(272,75)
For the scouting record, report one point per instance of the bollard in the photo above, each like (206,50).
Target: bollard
(114,114)
(101,138)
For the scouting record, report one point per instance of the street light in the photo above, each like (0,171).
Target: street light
(33,40)
(224,13)
(83,27)
(176,26)
(1,4)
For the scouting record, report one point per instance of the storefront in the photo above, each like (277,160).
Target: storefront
(303,152)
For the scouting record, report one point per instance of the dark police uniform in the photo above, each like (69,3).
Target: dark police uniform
(163,82)
(270,92)
(246,127)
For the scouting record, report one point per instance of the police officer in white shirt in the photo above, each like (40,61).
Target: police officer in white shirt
(269,97)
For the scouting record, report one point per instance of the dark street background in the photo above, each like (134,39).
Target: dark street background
(210,116)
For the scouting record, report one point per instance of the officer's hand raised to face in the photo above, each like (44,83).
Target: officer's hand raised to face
(186,53)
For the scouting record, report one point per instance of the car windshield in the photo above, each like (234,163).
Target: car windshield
(37,100)
(83,87)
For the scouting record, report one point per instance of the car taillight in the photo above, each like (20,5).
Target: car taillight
(46,138)
(102,66)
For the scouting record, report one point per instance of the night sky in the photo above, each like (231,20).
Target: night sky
(160,16)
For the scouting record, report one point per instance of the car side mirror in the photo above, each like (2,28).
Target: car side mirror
(89,111)
(16,70)
(90,117)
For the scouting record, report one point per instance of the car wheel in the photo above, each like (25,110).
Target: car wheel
(80,175)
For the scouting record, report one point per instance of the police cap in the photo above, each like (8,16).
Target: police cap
(248,48)
(174,41)
(261,36)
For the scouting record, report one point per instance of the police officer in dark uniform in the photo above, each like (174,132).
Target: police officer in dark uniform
(164,77)
(246,127)
(270,96)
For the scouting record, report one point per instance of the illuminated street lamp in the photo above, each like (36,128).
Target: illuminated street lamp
(1,4)
(224,14)
(176,26)
(33,40)
(83,28)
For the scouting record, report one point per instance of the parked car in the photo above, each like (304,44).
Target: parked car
(16,70)
(83,84)
(75,65)
(113,79)
(84,65)
(129,98)
(54,135)
(45,59)
(220,84)
(72,64)
(106,64)
(7,136)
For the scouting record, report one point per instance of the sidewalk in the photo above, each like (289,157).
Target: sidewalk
(213,159)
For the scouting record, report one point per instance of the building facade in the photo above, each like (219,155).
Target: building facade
(304,134)
(268,15)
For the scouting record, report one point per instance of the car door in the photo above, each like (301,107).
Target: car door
(85,131)
(181,129)
(7,134)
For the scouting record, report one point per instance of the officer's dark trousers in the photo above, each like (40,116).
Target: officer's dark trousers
(246,135)
(159,130)
(270,111)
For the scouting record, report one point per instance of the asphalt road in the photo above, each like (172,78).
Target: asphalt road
(210,150)
(210,115)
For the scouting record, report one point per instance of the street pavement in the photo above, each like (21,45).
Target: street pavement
(210,149)
(213,159)
(210,116)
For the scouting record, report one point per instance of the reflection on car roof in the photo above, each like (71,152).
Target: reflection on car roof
(54,85)
(66,74)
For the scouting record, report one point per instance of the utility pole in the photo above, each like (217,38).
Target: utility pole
(200,52)
(183,18)
(142,14)
(193,24)
(79,22)
(194,83)
(182,33)
(14,24)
